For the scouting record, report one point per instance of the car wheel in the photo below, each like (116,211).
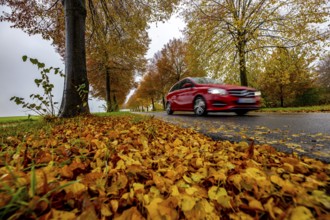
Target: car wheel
(241,112)
(200,106)
(168,108)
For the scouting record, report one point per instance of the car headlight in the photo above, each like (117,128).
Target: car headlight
(257,93)
(216,91)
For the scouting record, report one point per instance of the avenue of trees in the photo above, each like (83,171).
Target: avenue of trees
(171,64)
(235,34)
(114,33)
(276,46)
(273,46)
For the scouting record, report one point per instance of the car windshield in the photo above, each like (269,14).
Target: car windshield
(201,80)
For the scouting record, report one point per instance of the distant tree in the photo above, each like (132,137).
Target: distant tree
(162,80)
(116,50)
(110,83)
(287,75)
(148,89)
(175,61)
(196,65)
(172,61)
(324,72)
(233,33)
(138,102)
(133,103)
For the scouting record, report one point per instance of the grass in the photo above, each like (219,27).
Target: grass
(16,125)
(24,119)
(321,108)
(112,113)
(17,119)
(21,128)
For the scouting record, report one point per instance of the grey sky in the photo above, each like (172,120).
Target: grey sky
(17,77)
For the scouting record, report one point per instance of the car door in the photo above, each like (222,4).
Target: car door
(172,97)
(185,97)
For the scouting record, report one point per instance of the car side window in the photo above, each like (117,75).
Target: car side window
(175,87)
(190,82)
(184,83)
(181,84)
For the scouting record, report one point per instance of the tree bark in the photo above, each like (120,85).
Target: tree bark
(115,104)
(163,100)
(107,90)
(282,96)
(153,104)
(242,62)
(76,86)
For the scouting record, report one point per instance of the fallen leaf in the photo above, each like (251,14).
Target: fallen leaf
(301,213)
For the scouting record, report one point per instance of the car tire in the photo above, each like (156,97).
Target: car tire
(241,112)
(169,110)
(200,106)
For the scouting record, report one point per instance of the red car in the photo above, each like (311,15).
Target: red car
(203,95)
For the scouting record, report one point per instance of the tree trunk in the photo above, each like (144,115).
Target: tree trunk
(164,104)
(242,61)
(107,90)
(153,104)
(115,104)
(76,86)
(282,96)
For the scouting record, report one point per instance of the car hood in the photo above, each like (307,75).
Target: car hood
(225,86)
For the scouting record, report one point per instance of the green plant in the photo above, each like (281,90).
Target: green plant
(83,92)
(309,97)
(44,104)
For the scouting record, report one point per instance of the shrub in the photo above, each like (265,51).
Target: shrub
(43,104)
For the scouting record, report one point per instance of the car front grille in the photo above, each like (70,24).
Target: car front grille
(241,93)
(219,104)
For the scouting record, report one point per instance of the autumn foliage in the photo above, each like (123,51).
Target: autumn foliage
(134,167)
(174,62)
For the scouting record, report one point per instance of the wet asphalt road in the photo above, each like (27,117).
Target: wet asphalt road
(307,134)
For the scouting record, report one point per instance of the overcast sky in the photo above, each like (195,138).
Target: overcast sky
(17,77)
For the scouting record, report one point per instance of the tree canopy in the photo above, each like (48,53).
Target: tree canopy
(232,33)
(116,50)
(324,71)
(286,76)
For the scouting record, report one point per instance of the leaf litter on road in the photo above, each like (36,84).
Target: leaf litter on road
(313,145)
(135,167)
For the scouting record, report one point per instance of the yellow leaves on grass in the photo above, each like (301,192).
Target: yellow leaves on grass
(57,214)
(220,195)
(75,188)
(119,182)
(301,213)
(160,209)
(123,168)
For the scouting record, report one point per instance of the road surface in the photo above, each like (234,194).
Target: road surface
(307,134)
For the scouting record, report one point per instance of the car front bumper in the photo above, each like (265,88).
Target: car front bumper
(231,103)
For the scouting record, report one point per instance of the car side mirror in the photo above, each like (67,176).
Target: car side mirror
(187,85)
